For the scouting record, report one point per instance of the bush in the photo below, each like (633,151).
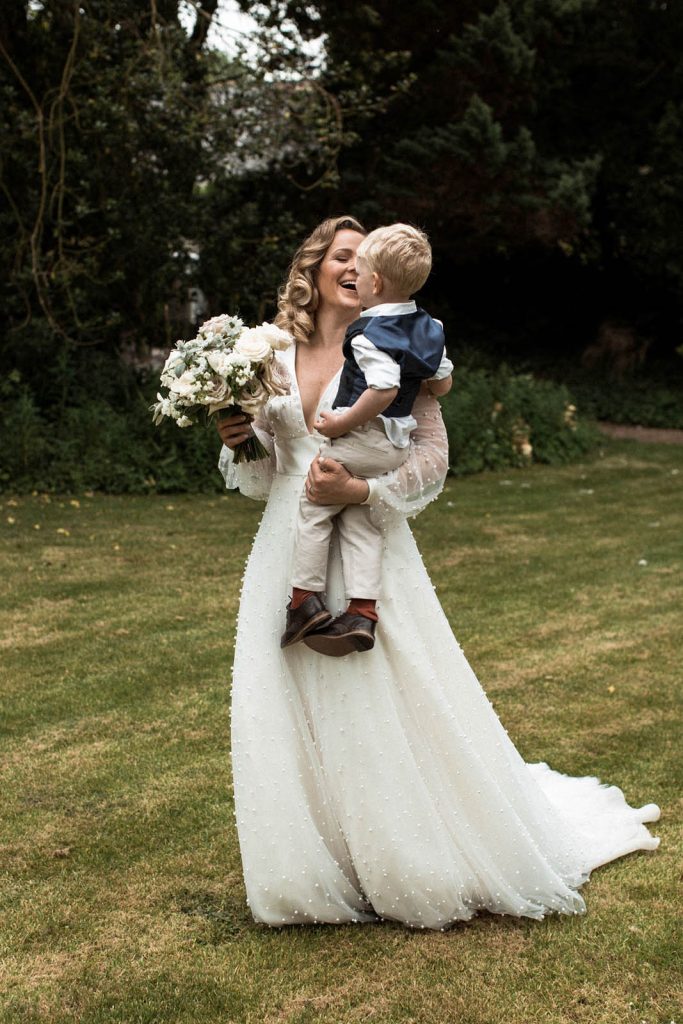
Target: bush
(648,396)
(497,419)
(101,445)
(643,401)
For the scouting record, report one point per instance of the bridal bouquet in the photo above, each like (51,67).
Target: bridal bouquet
(227,369)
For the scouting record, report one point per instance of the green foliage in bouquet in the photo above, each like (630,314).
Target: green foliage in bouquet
(497,419)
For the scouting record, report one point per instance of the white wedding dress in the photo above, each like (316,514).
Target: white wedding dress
(382,784)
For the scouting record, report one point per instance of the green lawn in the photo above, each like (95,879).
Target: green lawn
(122,897)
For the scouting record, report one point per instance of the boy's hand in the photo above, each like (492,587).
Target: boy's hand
(330,424)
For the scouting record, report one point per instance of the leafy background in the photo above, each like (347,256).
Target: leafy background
(539,144)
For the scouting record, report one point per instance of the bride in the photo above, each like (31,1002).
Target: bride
(382,784)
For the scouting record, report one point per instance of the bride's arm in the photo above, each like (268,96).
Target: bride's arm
(254,479)
(411,487)
(403,492)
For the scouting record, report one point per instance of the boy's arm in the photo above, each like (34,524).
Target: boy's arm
(442,381)
(370,404)
(382,376)
(440,387)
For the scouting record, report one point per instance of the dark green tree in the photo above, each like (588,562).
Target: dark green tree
(105,110)
(117,124)
(538,142)
(128,148)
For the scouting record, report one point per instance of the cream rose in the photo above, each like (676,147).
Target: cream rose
(275,336)
(220,362)
(253,345)
(185,385)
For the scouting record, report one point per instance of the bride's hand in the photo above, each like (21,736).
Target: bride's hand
(330,483)
(234,429)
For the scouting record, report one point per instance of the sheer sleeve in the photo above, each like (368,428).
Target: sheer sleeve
(253,479)
(411,487)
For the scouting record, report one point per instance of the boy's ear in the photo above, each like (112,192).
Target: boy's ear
(377,283)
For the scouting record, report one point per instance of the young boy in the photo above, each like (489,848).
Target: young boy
(389,351)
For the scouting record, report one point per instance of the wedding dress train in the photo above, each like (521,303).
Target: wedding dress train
(383,784)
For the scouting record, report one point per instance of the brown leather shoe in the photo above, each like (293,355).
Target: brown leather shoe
(343,635)
(300,621)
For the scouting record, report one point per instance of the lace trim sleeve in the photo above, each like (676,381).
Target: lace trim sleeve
(253,479)
(411,487)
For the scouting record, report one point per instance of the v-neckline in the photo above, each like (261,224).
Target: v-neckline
(323,393)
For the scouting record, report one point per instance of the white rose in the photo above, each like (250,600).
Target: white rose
(253,345)
(275,336)
(185,385)
(219,362)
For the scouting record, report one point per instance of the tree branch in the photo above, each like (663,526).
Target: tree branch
(205,12)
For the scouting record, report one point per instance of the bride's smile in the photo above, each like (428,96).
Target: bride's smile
(336,277)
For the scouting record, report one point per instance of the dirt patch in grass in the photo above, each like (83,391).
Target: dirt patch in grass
(646,435)
(36,625)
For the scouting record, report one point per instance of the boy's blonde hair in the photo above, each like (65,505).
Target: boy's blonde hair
(399,252)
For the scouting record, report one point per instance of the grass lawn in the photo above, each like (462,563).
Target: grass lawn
(122,898)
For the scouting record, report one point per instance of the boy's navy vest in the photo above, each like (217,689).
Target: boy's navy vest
(414,340)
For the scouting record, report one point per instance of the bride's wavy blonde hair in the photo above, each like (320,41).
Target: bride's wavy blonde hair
(298,297)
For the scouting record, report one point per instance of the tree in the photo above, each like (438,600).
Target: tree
(538,142)
(105,106)
(118,123)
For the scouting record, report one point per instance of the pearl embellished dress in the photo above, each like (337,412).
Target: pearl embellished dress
(382,784)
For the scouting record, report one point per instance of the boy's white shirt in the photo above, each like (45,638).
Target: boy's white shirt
(381,371)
